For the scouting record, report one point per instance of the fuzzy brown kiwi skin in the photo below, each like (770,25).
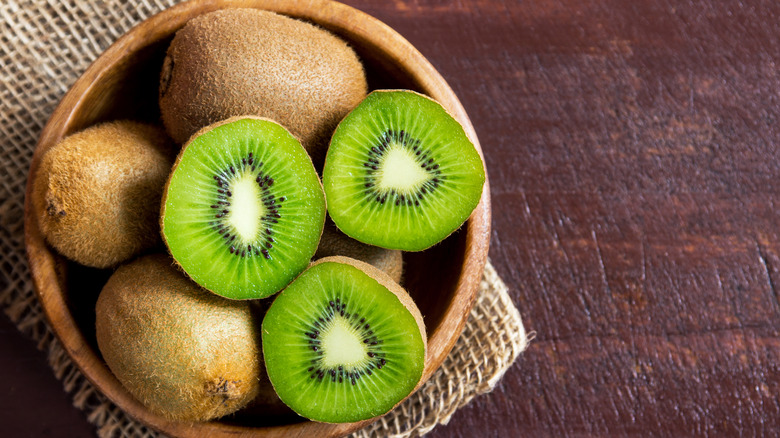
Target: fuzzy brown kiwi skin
(181,153)
(241,61)
(183,352)
(96,191)
(335,243)
(266,408)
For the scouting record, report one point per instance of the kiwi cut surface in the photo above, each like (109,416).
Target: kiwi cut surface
(239,61)
(97,192)
(183,352)
(400,172)
(343,342)
(243,209)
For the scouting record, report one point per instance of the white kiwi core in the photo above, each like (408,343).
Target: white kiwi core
(342,344)
(247,207)
(400,171)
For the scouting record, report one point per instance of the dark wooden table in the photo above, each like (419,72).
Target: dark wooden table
(632,149)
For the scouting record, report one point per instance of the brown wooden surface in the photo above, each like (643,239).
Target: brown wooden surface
(632,148)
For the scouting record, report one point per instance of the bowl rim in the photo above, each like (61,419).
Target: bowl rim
(352,24)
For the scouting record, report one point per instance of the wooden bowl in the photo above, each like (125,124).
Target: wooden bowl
(123,82)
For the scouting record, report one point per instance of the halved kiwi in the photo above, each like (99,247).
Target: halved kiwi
(343,342)
(243,209)
(400,172)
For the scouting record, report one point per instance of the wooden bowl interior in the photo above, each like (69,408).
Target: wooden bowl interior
(442,280)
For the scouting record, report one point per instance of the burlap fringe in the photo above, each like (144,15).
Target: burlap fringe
(46,45)
(493,338)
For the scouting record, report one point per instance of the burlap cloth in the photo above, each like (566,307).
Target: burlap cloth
(44,47)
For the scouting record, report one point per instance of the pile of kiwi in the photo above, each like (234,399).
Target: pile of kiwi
(263,255)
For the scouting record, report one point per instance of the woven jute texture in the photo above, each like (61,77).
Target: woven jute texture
(44,47)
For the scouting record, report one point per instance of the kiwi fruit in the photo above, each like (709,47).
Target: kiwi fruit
(266,409)
(247,61)
(97,192)
(243,210)
(335,243)
(183,352)
(401,173)
(343,342)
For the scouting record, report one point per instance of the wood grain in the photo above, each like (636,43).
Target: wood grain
(632,149)
(633,154)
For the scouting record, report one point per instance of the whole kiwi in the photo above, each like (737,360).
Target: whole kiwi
(97,192)
(335,243)
(247,61)
(266,409)
(183,352)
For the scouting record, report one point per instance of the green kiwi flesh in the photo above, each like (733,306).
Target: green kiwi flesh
(401,173)
(343,342)
(243,209)
(183,352)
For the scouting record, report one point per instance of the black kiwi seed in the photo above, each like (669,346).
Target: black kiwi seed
(223,179)
(328,312)
(373,163)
